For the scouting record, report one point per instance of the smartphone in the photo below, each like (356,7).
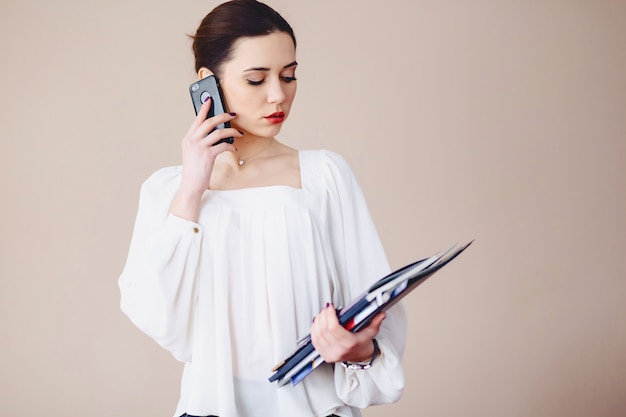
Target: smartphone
(201,91)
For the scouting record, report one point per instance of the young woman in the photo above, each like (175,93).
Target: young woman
(237,250)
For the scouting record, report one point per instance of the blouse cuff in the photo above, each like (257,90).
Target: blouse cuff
(183,226)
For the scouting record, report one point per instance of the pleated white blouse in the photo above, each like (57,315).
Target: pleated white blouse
(232,294)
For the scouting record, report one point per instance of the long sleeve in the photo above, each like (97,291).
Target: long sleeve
(360,261)
(158,288)
(252,272)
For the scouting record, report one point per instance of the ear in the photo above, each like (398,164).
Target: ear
(204,72)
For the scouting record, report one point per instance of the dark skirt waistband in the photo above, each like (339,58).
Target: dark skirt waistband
(189,415)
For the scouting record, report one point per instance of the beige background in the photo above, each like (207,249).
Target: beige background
(500,121)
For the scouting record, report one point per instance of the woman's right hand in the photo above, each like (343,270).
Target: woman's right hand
(198,159)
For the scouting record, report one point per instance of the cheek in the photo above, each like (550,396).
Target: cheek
(291,95)
(247,111)
(236,100)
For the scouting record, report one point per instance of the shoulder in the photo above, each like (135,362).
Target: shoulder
(325,162)
(162,180)
(327,170)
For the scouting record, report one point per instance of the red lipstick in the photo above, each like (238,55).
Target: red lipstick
(276,118)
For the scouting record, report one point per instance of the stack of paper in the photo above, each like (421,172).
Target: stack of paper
(379,297)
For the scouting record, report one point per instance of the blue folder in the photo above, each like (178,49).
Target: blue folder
(379,297)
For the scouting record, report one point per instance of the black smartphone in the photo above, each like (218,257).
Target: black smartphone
(201,91)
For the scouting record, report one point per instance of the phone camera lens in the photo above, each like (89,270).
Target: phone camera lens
(195,87)
(204,96)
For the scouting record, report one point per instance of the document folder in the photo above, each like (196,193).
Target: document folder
(379,297)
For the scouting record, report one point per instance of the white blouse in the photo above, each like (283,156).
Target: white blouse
(232,294)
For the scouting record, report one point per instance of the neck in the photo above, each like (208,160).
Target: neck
(249,147)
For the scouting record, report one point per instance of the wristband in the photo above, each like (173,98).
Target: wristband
(363,365)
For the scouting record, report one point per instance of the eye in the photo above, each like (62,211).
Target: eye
(255,83)
(289,79)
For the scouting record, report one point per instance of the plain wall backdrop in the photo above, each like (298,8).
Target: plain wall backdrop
(496,120)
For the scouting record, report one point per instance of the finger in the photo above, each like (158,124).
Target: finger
(202,113)
(204,110)
(197,122)
(330,314)
(373,328)
(321,321)
(334,332)
(337,337)
(218,135)
(321,336)
(202,125)
(212,152)
(210,125)
(222,147)
(213,122)
(315,333)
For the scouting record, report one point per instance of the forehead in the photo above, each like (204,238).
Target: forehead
(271,51)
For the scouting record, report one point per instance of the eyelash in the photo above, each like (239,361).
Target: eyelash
(285,79)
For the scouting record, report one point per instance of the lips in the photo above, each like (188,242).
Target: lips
(276,118)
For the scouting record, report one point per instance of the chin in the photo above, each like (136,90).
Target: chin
(264,132)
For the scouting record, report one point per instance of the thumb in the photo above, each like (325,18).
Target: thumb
(374,327)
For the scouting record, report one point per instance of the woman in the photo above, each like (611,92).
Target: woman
(236,251)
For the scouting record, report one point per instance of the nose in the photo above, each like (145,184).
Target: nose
(276,92)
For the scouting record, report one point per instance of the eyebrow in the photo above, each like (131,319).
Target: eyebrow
(293,64)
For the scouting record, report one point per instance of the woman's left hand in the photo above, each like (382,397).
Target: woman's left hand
(336,344)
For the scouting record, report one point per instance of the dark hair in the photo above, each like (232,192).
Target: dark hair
(218,31)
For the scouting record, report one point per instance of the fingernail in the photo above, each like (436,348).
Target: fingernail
(313,320)
(327,305)
(233,114)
